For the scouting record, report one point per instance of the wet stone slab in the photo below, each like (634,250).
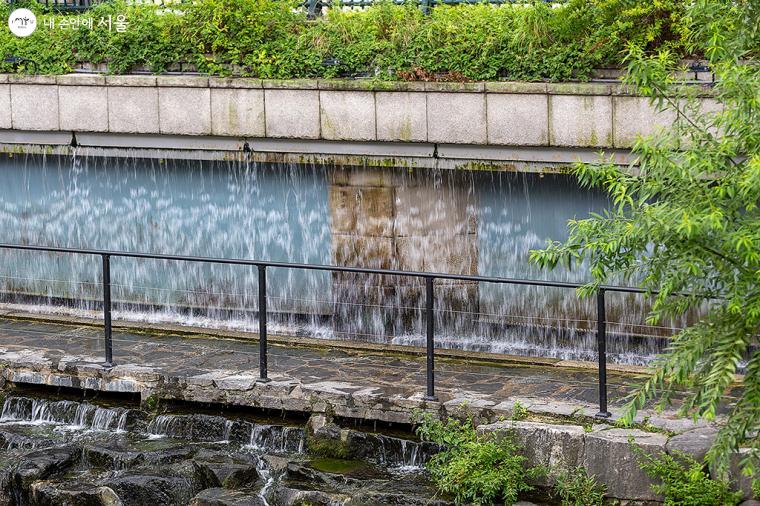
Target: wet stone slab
(347,383)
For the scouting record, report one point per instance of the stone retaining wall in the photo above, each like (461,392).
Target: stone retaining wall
(499,114)
(606,453)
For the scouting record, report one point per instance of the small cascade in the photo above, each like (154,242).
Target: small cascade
(162,425)
(228,426)
(83,415)
(76,415)
(105,419)
(277,438)
(121,425)
(34,411)
(401,453)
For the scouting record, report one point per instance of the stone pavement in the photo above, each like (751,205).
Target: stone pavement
(352,383)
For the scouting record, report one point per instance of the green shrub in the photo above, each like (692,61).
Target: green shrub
(575,487)
(274,39)
(684,481)
(474,468)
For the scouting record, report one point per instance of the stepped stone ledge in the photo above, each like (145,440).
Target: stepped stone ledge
(555,431)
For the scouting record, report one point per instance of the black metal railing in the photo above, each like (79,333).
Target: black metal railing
(429,278)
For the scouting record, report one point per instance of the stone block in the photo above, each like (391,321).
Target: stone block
(580,121)
(363,211)
(554,446)
(83,108)
(438,86)
(131,80)
(738,480)
(290,84)
(183,81)
(515,87)
(425,210)
(694,442)
(374,252)
(133,110)
(292,113)
(34,107)
(518,119)
(237,112)
(347,115)
(353,176)
(5,106)
(634,117)
(81,80)
(184,111)
(234,82)
(610,458)
(401,116)
(31,79)
(457,118)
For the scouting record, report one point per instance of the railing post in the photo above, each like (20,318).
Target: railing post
(601,341)
(262,324)
(430,344)
(107,310)
(313,9)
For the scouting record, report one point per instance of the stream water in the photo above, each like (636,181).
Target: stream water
(461,222)
(68,451)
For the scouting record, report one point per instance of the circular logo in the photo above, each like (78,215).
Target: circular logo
(22,22)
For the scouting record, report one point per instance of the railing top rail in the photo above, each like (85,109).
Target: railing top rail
(315,267)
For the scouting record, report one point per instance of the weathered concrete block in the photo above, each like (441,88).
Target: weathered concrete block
(237,112)
(133,110)
(424,210)
(401,116)
(5,106)
(609,457)
(518,119)
(362,210)
(352,176)
(694,442)
(292,113)
(457,118)
(81,80)
(553,446)
(347,115)
(83,108)
(34,107)
(183,81)
(131,80)
(634,117)
(738,480)
(583,121)
(375,252)
(184,111)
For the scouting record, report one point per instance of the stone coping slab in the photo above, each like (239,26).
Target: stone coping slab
(202,81)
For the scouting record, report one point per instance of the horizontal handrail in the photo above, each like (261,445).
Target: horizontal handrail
(262,265)
(319,267)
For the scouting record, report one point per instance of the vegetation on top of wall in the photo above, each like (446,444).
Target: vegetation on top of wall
(274,39)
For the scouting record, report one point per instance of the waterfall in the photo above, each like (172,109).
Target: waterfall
(460,222)
(77,415)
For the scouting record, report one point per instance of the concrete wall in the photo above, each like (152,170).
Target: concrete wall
(496,114)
